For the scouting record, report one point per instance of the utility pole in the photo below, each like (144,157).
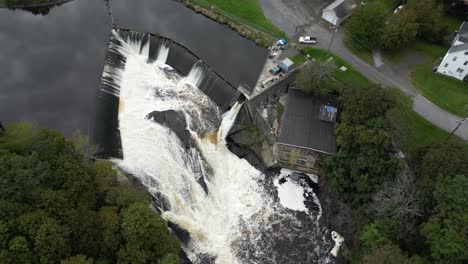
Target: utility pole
(335,29)
(459,124)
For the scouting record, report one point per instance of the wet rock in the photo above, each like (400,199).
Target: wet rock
(181,233)
(175,121)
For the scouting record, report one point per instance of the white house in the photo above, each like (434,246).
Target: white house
(455,62)
(338,11)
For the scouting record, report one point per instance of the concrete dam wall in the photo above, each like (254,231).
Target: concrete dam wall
(161,51)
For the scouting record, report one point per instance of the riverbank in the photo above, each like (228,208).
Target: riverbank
(260,37)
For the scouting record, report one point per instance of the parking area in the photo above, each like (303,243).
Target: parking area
(298,17)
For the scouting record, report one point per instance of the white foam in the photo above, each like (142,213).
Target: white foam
(163,53)
(156,156)
(290,193)
(195,76)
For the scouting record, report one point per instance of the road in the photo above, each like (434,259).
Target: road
(302,17)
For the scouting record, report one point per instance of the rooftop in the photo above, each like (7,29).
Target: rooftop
(460,42)
(341,8)
(308,121)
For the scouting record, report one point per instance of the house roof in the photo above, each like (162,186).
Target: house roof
(341,8)
(460,42)
(463,31)
(457,48)
(301,125)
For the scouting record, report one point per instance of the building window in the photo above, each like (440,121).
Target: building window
(301,162)
(466,63)
(446,65)
(454,58)
(460,70)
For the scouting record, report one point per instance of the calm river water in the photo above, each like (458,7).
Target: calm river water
(50,66)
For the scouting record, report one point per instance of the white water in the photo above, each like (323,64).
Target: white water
(236,216)
(155,155)
(163,53)
(195,76)
(291,195)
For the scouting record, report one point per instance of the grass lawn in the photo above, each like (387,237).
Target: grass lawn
(298,59)
(411,130)
(349,78)
(248,10)
(448,93)
(452,23)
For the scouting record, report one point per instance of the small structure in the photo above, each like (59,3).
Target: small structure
(306,131)
(455,62)
(286,65)
(338,11)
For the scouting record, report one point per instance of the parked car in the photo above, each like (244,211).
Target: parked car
(275,70)
(269,80)
(307,40)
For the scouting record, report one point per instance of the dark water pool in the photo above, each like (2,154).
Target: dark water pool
(50,66)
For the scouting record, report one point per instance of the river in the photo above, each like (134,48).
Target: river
(51,65)
(233,212)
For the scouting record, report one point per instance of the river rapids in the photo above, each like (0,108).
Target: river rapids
(230,209)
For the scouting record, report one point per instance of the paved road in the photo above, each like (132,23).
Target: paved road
(298,17)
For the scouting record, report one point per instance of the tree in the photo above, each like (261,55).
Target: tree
(447,158)
(57,206)
(144,231)
(19,251)
(386,254)
(169,259)
(364,159)
(365,25)
(85,232)
(110,222)
(400,29)
(446,228)
(51,242)
(399,201)
(82,145)
(78,259)
(372,236)
(428,15)
(315,76)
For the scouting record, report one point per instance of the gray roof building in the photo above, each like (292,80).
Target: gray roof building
(308,122)
(455,61)
(338,11)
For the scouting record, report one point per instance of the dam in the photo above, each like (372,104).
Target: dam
(171,125)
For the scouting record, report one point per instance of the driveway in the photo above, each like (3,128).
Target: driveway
(303,17)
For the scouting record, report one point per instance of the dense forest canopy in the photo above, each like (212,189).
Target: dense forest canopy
(56,205)
(406,211)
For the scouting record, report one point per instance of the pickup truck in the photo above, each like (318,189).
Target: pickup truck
(308,40)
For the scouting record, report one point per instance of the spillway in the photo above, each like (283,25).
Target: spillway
(229,208)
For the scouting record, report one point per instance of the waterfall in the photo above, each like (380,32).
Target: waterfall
(195,76)
(163,53)
(238,218)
